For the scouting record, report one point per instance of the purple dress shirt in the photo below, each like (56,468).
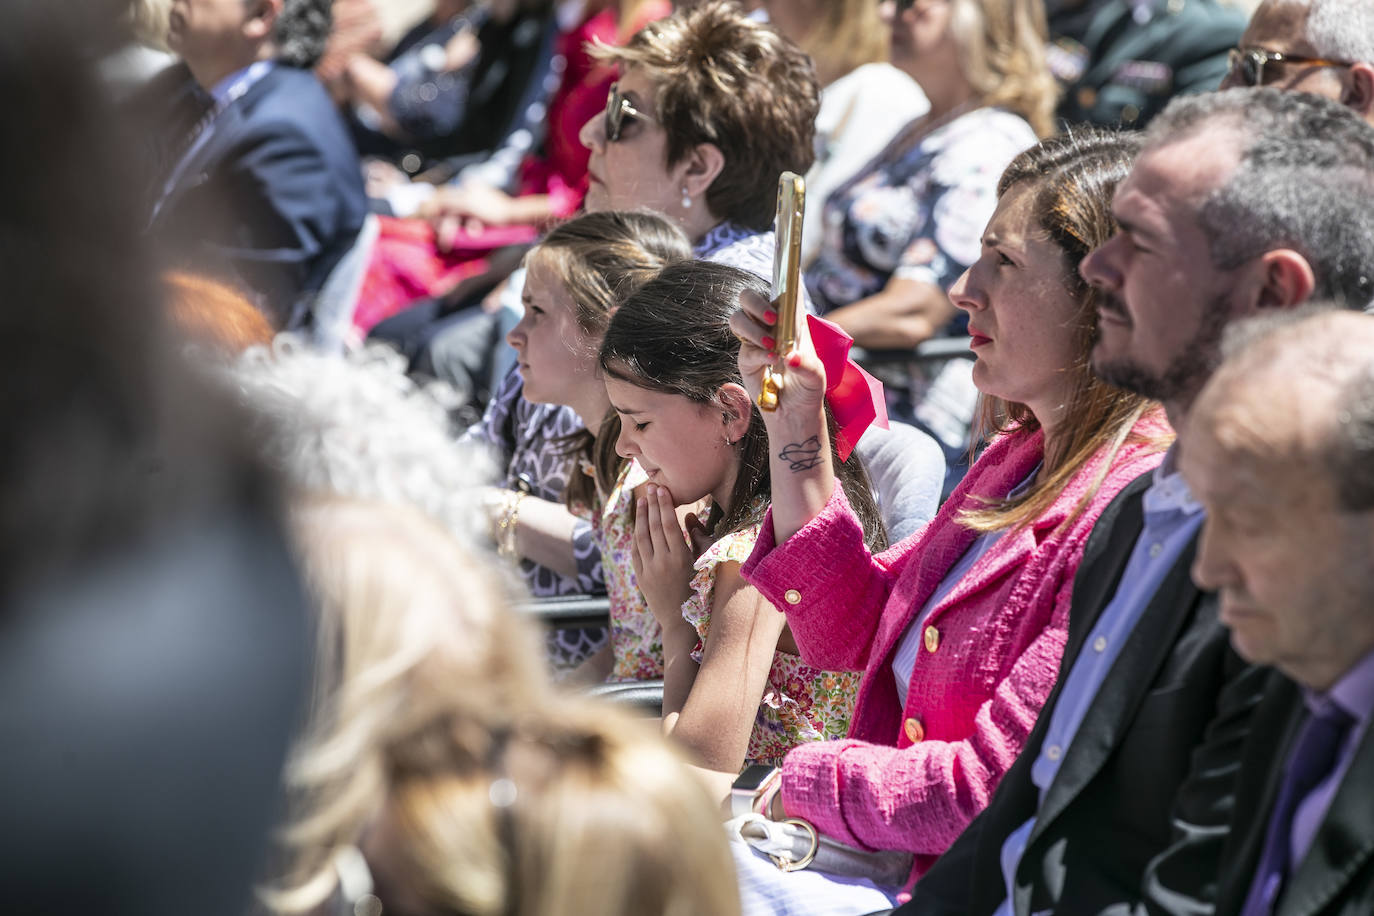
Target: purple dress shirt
(1354,693)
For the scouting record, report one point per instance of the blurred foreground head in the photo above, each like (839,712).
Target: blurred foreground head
(410,625)
(152,644)
(572,809)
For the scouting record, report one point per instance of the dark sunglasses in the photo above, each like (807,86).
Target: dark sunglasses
(1248,63)
(618,108)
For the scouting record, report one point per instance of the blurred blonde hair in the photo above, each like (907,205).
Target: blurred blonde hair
(407,622)
(1002,51)
(149,20)
(571,810)
(844,35)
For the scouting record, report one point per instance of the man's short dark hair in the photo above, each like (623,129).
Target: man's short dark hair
(1305,181)
(301,31)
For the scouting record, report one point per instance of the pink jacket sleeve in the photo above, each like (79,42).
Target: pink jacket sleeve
(841,588)
(921,797)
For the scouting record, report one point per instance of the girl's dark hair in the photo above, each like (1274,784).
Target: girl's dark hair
(673,335)
(600,258)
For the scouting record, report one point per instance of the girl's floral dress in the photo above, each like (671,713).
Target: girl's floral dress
(800,703)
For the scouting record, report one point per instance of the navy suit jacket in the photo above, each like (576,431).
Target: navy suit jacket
(274,196)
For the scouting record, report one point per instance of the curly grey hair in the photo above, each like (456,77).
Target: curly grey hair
(1305,181)
(357,426)
(301,31)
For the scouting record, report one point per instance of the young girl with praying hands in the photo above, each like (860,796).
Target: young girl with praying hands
(735,689)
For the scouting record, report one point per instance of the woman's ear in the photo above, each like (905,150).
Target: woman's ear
(699,169)
(737,409)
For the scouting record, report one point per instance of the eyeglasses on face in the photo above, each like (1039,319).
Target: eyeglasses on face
(618,108)
(1248,63)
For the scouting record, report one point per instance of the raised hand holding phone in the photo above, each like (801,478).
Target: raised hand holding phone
(786,282)
(776,352)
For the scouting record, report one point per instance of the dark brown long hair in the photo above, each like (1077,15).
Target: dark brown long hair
(673,335)
(1073,177)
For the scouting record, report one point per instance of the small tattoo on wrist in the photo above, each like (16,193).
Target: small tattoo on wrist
(802,456)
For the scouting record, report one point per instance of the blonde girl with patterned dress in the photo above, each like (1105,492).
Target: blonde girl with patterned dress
(735,690)
(574,279)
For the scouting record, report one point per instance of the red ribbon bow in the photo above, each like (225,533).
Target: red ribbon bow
(855,397)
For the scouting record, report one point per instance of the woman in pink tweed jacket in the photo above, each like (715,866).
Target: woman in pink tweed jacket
(970,615)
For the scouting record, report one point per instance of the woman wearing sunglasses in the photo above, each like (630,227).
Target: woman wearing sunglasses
(864,99)
(710,107)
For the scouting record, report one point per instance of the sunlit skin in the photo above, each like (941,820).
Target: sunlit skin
(557,358)
(1020,311)
(633,172)
(923,47)
(680,444)
(1290,565)
(1153,330)
(1282,27)
(218,37)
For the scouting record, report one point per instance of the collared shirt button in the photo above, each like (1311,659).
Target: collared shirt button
(792,596)
(1053,751)
(915,731)
(1100,644)
(932,639)
(1156,548)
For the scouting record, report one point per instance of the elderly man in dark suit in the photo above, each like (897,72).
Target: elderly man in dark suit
(1281,454)
(1148,677)
(255,174)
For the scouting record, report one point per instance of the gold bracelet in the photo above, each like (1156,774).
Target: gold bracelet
(506,544)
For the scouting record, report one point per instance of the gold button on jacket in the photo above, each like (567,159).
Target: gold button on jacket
(792,596)
(915,731)
(932,638)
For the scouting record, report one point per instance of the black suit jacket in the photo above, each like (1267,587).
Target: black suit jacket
(274,197)
(1336,878)
(1108,812)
